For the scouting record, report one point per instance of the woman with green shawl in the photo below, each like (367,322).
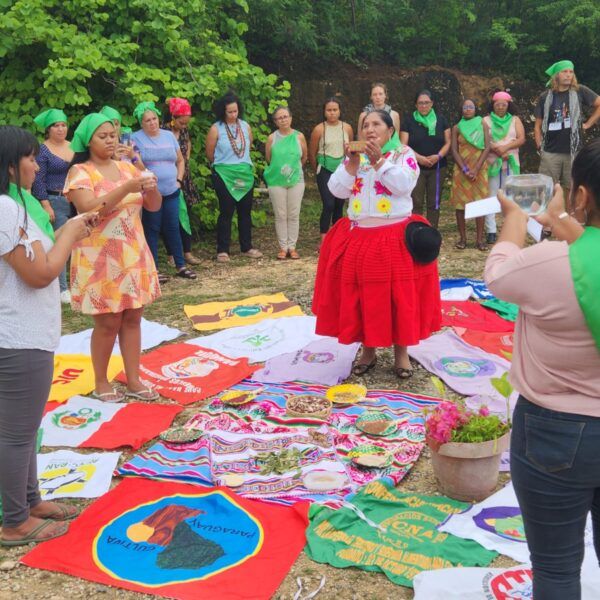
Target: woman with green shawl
(32,255)
(470,147)
(507,135)
(555,462)
(227,146)
(286,153)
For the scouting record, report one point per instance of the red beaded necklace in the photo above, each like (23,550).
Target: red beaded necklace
(238,149)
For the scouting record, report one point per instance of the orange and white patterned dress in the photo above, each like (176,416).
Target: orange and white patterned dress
(112,269)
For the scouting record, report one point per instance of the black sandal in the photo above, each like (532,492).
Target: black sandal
(162,278)
(186,273)
(403,373)
(363,368)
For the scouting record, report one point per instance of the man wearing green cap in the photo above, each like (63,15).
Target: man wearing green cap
(559,121)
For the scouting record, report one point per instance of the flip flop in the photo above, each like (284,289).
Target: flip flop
(64,512)
(363,368)
(109,397)
(145,394)
(32,536)
(403,373)
(460,245)
(186,273)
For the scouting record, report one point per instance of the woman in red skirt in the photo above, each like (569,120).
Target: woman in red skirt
(369,287)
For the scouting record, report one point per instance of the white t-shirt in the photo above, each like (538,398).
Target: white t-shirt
(29,317)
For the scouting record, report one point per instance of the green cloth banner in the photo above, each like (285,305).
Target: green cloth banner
(507,310)
(238,179)
(33,208)
(408,544)
(285,168)
(585,270)
(472,131)
(184,217)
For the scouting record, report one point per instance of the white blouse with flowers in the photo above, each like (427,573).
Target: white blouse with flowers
(377,197)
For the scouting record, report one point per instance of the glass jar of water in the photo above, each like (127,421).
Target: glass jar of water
(532,192)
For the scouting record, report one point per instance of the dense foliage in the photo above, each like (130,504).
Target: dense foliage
(510,37)
(81,54)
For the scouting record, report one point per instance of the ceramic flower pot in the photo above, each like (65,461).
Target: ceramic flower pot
(468,471)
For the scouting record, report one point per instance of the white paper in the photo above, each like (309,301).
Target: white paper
(67,474)
(534,229)
(480,208)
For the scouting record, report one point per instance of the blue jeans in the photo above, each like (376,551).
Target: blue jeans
(555,469)
(165,221)
(62,211)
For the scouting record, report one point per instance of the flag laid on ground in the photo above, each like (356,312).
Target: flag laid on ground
(475,287)
(187,373)
(500,344)
(153,334)
(507,310)
(220,315)
(74,374)
(323,361)
(67,474)
(88,423)
(472,315)
(179,541)
(266,413)
(392,532)
(262,341)
(466,369)
(476,583)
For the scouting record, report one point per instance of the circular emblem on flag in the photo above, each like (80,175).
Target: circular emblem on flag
(177,539)
(511,584)
(504,521)
(461,366)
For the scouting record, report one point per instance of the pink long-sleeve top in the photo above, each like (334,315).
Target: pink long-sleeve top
(555,363)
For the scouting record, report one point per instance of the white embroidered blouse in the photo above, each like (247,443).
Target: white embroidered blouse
(380,196)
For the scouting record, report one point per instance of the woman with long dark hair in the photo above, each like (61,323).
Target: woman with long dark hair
(373,285)
(555,463)
(113,274)
(53,159)
(325,153)
(32,255)
(227,146)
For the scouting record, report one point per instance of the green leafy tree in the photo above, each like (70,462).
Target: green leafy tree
(81,54)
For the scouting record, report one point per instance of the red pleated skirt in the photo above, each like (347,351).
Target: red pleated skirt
(369,289)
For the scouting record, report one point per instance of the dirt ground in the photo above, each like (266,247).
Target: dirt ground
(242,278)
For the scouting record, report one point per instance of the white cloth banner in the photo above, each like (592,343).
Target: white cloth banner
(67,474)
(76,420)
(153,334)
(474,583)
(262,341)
(466,369)
(496,523)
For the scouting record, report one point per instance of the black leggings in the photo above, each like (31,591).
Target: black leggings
(227,207)
(333,207)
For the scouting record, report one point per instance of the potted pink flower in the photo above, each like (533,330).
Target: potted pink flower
(466,446)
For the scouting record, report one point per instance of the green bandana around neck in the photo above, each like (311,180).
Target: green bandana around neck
(142,107)
(33,208)
(392,144)
(112,113)
(585,271)
(500,126)
(85,130)
(238,178)
(48,117)
(429,121)
(285,168)
(472,131)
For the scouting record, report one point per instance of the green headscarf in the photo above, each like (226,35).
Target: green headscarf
(49,117)
(142,107)
(472,131)
(85,130)
(429,121)
(33,208)
(557,67)
(585,271)
(112,113)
